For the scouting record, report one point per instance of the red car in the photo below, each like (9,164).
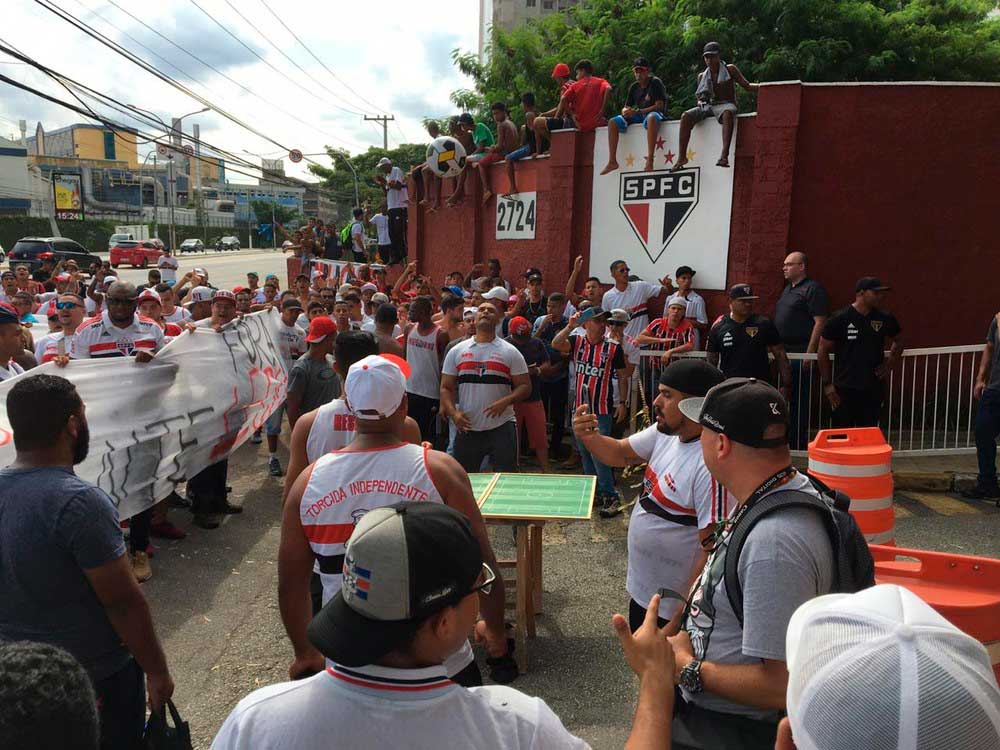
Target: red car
(137,254)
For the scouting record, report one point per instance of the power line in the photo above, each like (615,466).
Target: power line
(285,55)
(313,55)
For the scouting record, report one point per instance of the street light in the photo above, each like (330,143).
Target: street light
(155,185)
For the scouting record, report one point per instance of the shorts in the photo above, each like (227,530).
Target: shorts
(532,415)
(621,122)
(704,111)
(493,157)
(476,157)
(520,153)
(273,423)
(559,123)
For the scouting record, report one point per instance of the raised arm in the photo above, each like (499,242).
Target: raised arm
(571,294)
(740,80)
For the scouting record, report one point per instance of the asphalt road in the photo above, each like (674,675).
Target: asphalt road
(225,269)
(215,605)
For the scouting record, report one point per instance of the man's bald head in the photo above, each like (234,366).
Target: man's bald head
(794,267)
(122,289)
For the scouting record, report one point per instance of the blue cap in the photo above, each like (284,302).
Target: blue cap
(8,314)
(456,290)
(593,313)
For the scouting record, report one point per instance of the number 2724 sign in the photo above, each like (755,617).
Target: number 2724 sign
(516,217)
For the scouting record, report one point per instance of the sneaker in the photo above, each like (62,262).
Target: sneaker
(274,467)
(610,506)
(256,439)
(176,501)
(207,520)
(981,493)
(140,567)
(166,530)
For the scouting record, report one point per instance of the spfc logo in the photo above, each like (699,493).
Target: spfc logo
(876,325)
(752,331)
(124,346)
(657,204)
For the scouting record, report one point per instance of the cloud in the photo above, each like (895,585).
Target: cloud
(437,51)
(416,105)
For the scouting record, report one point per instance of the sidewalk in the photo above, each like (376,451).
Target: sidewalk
(929,473)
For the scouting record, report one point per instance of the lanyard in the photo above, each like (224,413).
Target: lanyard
(768,484)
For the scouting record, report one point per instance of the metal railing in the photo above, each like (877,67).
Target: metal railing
(928,407)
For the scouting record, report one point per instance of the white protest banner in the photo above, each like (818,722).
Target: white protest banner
(659,220)
(153,425)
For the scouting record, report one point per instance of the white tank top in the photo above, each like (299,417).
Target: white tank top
(425,365)
(332,429)
(346,484)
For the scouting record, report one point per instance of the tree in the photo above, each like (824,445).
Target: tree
(282,214)
(770,40)
(339,179)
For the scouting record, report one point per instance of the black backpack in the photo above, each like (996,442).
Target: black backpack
(854,568)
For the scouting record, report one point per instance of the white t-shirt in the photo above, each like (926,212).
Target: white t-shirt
(47,348)
(179,315)
(168,267)
(485,373)
(292,341)
(369,327)
(695,312)
(396,198)
(357,231)
(677,482)
(381,224)
(635,300)
(363,708)
(12,369)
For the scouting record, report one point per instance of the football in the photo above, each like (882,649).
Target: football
(445,156)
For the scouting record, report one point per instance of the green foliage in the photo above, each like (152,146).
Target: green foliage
(282,214)
(339,180)
(92,234)
(769,40)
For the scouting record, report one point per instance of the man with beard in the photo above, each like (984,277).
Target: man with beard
(65,578)
(680,504)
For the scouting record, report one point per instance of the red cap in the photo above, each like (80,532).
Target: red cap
(224,294)
(238,289)
(561,70)
(319,328)
(519,325)
(401,363)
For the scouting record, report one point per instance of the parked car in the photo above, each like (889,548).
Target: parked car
(137,254)
(31,251)
(158,242)
(227,243)
(120,237)
(192,246)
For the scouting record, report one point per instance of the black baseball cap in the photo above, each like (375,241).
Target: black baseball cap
(742,409)
(641,62)
(693,377)
(532,272)
(403,563)
(742,291)
(712,48)
(682,270)
(870,284)
(291,304)
(466,118)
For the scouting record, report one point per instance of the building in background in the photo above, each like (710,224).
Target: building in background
(93,143)
(15,181)
(509,14)
(316,202)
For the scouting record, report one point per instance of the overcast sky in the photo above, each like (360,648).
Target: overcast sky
(396,54)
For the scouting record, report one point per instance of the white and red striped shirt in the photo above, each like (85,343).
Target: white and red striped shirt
(678,336)
(99,338)
(595,368)
(484,372)
(679,497)
(634,299)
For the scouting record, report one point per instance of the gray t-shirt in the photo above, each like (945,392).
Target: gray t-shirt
(315,380)
(53,526)
(993,384)
(787,559)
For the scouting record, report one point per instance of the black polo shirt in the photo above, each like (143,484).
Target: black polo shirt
(859,343)
(794,314)
(742,347)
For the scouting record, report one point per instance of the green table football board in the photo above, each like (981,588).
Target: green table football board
(542,496)
(481,484)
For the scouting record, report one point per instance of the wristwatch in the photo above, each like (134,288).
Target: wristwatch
(690,678)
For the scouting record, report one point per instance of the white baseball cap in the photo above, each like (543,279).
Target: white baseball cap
(880,669)
(369,287)
(375,386)
(678,302)
(383,161)
(497,293)
(146,294)
(201,294)
(380,298)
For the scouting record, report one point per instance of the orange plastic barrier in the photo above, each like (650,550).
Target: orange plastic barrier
(858,461)
(964,590)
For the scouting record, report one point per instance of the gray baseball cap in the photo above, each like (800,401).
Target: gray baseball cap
(403,563)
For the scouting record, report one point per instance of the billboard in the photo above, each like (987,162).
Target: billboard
(659,220)
(67,190)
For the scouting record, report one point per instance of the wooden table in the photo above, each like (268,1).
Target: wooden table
(526,502)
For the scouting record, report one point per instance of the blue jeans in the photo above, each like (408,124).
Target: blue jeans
(593,467)
(987,429)
(519,153)
(622,122)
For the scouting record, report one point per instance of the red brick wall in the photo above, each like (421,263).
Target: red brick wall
(891,180)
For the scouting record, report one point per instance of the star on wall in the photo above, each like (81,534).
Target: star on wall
(691,155)
(660,143)
(668,158)
(630,160)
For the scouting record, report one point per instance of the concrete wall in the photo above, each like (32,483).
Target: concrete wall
(868,179)
(15,186)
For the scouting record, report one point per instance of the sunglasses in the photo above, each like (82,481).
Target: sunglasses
(121,300)
(624,269)
(66,305)
(486,586)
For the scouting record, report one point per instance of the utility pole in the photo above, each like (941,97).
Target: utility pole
(385,120)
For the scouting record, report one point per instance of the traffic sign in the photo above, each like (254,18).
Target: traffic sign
(162,150)
(188,150)
(295,156)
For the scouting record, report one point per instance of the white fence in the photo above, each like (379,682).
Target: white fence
(928,407)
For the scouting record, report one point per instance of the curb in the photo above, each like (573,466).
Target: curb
(933,481)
